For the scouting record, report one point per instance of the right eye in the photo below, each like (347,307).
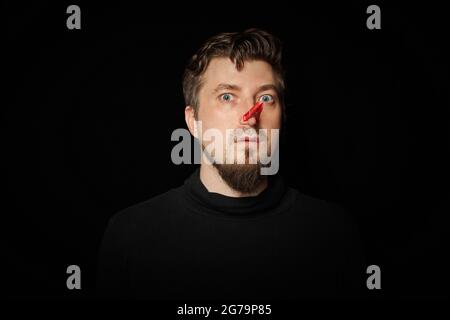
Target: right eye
(226,97)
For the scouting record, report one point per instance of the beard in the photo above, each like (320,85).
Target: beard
(244,178)
(241,177)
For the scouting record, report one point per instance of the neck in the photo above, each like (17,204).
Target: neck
(213,182)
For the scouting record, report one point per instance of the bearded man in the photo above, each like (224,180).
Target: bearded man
(234,229)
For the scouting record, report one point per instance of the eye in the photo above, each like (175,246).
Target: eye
(227,97)
(266,98)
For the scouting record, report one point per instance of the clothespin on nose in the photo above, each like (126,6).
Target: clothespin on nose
(254,111)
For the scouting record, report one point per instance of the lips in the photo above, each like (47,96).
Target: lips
(248,139)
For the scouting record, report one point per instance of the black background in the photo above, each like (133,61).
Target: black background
(90,113)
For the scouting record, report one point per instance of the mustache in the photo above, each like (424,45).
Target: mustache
(247,134)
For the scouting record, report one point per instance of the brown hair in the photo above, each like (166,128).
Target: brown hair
(251,44)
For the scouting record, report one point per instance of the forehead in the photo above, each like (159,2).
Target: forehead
(222,70)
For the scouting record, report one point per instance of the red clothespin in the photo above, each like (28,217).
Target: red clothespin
(254,110)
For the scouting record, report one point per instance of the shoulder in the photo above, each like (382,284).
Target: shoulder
(146,211)
(321,211)
(335,227)
(308,202)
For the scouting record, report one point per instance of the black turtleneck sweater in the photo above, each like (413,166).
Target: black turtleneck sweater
(189,243)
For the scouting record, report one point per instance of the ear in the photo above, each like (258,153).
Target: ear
(189,117)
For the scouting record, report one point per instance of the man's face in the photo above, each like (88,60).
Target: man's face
(225,96)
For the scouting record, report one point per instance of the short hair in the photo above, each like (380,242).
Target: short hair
(251,44)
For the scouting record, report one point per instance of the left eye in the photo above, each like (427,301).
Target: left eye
(226,97)
(266,98)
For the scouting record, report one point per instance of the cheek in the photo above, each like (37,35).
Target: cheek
(211,121)
(209,110)
(214,118)
(271,120)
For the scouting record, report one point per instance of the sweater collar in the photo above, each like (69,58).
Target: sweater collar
(263,203)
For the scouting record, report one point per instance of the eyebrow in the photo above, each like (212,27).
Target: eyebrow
(228,86)
(267,87)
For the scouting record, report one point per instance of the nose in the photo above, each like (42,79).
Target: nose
(252,121)
(251,115)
